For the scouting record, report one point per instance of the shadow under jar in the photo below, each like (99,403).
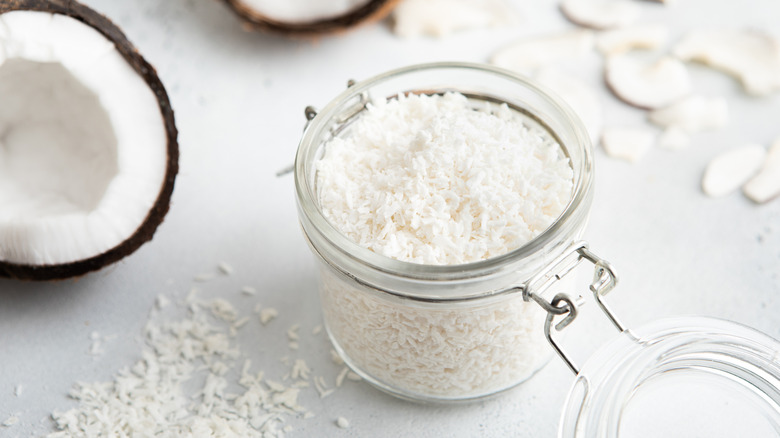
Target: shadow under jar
(442,332)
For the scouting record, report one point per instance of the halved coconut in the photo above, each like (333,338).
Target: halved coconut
(751,56)
(439,18)
(600,14)
(647,83)
(528,54)
(309,17)
(88,152)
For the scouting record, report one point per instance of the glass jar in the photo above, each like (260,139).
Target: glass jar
(441,333)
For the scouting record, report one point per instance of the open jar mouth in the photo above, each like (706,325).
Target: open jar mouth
(518,92)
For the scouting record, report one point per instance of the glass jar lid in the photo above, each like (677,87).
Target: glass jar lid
(679,377)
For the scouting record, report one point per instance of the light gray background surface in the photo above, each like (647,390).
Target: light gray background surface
(239,100)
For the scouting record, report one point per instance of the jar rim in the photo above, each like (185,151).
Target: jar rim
(693,348)
(581,194)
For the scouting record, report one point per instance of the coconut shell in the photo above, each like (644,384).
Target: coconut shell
(157,213)
(373,10)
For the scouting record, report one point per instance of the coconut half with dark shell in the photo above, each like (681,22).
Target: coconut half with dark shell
(309,17)
(88,151)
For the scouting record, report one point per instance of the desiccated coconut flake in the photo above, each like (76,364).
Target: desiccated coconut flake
(581,97)
(223,310)
(336,357)
(202,278)
(342,422)
(268,314)
(728,171)
(629,144)
(18,390)
(316,330)
(439,18)
(292,332)
(616,41)
(162,301)
(225,268)
(674,138)
(600,14)
(528,54)
(766,184)
(751,56)
(354,377)
(248,290)
(293,345)
(342,375)
(10,421)
(300,370)
(647,83)
(692,114)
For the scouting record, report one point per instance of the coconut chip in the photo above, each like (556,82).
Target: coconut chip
(751,56)
(766,184)
(674,138)
(692,114)
(647,83)
(342,422)
(582,98)
(629,144)
(728,171)
(439,18)
(648,36)
(528,54)
(600,14)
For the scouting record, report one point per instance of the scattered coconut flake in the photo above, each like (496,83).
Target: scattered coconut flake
(342,422)
(308,415)
(322,387)
(730,170)
(225,268)
(600,14)
(336,357)
(354,377)
(617,41)
(268,314)
(530,53)
(10,421)
(629,144)
(342,375)
(692,114)
(162,301)
(438,18)
(248,290)
(647,83)
(202,278)
(581,97)
(766,184)
(18,390)
(751,56)
(674,138)
(316,330)
(287,429)
(292,332)
(300,370)
(293,345)
(223,310)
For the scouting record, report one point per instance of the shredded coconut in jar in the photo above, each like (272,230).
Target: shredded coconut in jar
(439,180)
(427,179)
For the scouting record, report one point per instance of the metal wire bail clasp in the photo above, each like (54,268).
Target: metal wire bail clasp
(604,280)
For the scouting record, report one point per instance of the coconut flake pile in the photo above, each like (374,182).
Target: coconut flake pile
(193,380)
(441,179)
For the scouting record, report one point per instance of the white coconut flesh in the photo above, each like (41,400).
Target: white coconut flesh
(299,11)
(82,142)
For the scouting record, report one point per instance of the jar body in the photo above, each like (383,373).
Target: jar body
(440,333)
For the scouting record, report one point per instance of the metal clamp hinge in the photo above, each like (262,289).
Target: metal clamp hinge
(604,280)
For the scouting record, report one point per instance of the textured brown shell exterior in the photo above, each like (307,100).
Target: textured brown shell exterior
(156,215)
(373,10)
